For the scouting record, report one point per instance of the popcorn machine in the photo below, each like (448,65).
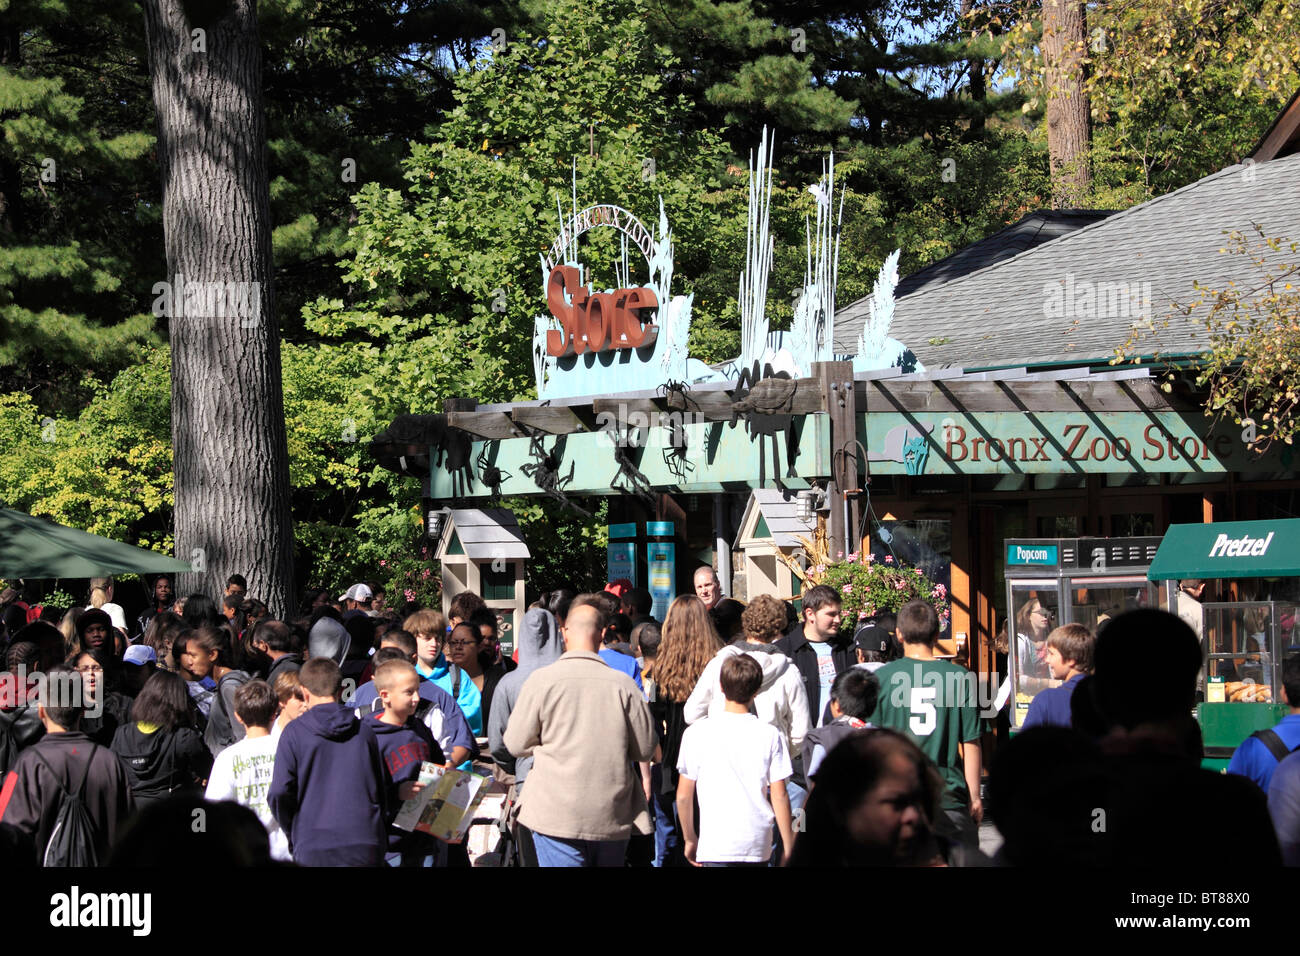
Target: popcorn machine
(1055,581)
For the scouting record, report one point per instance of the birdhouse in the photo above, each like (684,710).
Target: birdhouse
(770,527)
(483,550)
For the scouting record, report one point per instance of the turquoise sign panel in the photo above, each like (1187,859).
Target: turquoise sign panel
(659,529)
(661,561)
(627,530)
(717,456)
(1056,443)
(620,561)
(1032,554)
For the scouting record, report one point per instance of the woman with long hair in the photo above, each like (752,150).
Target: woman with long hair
(1034,621)
(688,642)
(161,752)
(208,652)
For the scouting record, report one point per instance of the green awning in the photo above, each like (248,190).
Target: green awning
(1229,549)
(36,548)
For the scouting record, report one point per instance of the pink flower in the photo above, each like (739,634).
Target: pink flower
(899,585)
(847,589)
(862,615)
(889,559)
(426,573)
(410,595)
(918,571)
(383,564)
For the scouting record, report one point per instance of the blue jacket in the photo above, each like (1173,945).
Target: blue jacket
(1051,707)
(403,749)
(445,719)
(623,662)
(1252,759)
(329,789)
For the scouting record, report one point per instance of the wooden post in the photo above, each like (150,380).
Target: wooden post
(459,404)
(836,379)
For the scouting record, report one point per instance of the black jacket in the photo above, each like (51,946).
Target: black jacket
(30,798)
(163,761)
(797,648)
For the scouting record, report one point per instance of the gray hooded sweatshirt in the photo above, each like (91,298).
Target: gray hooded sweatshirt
(539,645)
(781,701)
(329,638)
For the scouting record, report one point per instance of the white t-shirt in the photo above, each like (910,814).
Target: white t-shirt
(733,758)
(242,773)
(826,677)
(115,614)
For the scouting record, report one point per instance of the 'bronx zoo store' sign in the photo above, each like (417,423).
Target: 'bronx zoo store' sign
(1137,442)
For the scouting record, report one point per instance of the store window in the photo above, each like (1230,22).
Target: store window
(924,544)
(1035,611)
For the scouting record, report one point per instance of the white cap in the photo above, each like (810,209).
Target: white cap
(358,592)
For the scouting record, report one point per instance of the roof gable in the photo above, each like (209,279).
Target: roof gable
(1137,264)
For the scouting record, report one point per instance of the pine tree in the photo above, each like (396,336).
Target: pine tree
(77,214)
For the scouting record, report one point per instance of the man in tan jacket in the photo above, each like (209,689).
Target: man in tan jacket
(586,726)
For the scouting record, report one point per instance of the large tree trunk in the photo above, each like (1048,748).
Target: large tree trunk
(1069,117)
(231,460)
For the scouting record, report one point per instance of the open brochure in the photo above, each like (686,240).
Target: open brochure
(445,807)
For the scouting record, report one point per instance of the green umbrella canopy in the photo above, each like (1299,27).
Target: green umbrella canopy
(36,548)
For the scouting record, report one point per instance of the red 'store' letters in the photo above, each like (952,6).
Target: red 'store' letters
(596,322)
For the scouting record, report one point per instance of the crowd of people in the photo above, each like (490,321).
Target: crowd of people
(728,734)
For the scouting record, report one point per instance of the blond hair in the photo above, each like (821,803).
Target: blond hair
(426,621)
(389,673)
(689,642)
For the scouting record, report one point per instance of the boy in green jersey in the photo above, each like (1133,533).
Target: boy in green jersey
(935,703)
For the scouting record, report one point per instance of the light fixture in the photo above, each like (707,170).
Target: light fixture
(435,520)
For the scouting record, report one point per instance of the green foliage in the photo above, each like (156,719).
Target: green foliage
(77,204)
(879,587)
(1178,90)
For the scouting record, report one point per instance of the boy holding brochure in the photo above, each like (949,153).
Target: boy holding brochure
(404,744)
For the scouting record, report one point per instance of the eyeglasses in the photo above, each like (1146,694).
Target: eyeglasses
(462,643)
(92,669)
(1045,612)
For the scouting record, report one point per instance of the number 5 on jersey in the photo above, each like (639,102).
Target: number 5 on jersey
(923,718)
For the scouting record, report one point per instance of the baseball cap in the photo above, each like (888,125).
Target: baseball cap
(140,654)
(358,592)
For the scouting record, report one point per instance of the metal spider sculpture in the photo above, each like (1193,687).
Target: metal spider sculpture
(764,399)
(489,474)
(637,483)
(544,470)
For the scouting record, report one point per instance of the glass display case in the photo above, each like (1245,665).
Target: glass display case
(1055,581)
(1236,584)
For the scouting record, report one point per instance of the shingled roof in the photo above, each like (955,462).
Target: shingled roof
(1008,312)
(1033,230)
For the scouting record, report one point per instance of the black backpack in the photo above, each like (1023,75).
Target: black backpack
(1273,742)
(72,841)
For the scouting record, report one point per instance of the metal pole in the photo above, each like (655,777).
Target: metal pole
(721,542)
